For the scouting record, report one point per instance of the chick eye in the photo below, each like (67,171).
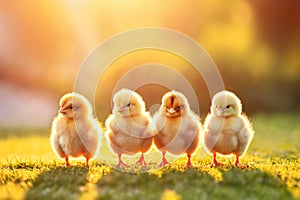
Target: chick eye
(128,105)
(228,106)
(177,107)
(71,107)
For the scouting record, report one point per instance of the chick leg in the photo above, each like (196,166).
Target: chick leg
(215,163)
(67,162)
(121,163)
(238,164)
(141,161)
(87,161)
(189,163)
(163,160)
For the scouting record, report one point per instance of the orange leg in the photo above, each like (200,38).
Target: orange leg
(121,163)
(67,162)
(164,161)
(87,162)
(215,163)
(141,161)
(189,163)
(238,164)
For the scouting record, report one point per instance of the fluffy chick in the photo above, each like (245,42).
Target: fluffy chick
(226,129)
(178,128)
(75,132)
(128,127)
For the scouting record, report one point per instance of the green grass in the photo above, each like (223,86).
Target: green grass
(30,170)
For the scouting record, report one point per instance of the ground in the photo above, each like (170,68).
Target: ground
(30,170)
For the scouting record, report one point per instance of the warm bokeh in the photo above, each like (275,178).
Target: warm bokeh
(255,44)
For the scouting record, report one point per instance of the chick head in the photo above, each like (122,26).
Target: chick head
(128,103)
(74,105)
(174,104)
(226,104)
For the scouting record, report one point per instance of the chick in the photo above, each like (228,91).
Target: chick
(75,132)
(178,128)
(226,129)
(128,127)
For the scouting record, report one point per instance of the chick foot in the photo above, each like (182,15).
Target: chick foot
(121,163)
(141,161)
(164,161)
(238,164)
(215,163)
(87,162)
(189,163)
(67,162)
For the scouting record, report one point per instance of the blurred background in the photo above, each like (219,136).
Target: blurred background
(254,43)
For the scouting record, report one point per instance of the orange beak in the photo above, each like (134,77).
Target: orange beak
(62,110)
(121,109)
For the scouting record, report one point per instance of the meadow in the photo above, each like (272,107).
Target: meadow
(30,170)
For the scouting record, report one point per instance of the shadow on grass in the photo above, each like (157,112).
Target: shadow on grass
(58,183)
(192,184)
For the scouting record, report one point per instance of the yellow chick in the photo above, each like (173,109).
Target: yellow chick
(75,132)
(128,127)
(226,129)
(178,128)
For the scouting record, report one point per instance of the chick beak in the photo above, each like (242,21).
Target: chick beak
(171,111)
(221,111)
(62,110)
(121,109)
